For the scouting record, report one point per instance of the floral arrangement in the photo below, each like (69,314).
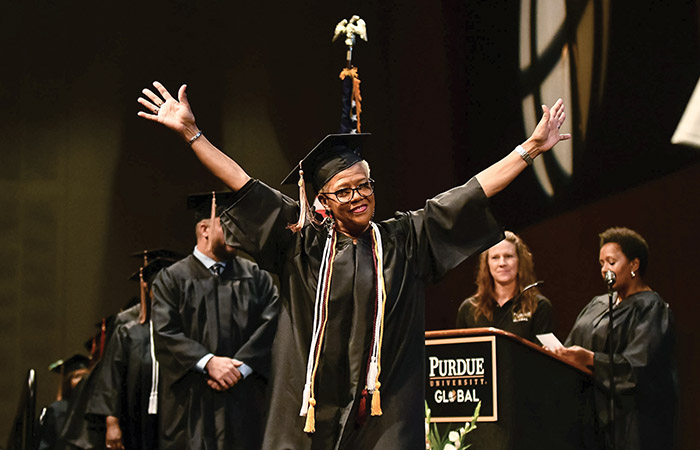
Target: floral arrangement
(450,440)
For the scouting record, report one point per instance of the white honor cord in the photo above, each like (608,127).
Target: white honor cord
(374,358)
(318,312)
(153,397)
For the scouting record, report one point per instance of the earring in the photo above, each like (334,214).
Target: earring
(633,274)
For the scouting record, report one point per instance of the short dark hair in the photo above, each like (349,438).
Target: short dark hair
(632,244)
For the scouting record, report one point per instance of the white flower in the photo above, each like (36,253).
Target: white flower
(449,447)
(453,436)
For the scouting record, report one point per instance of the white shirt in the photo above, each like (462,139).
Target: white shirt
(244,369)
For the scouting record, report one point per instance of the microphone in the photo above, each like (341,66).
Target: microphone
(529,286)
(533,285)
(610,278)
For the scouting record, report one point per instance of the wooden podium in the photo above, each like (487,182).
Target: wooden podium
(531,399)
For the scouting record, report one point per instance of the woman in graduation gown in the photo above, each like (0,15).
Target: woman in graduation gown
(646,386)
(505,297)
(352,291)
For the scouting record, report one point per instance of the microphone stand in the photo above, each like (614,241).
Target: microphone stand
(611,353)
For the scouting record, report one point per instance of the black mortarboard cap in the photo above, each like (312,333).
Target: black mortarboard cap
(200,203)
(151,269)
(335,153)
(148,255)
(75,362)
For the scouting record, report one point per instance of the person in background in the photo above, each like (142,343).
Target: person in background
(124,397)
(646,385)
(503,299)
(214,319)
(53,418)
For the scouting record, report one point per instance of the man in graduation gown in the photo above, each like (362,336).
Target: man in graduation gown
(125,394)
(214,319)
(397,256)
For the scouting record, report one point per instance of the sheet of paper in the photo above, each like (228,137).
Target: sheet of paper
(550,341)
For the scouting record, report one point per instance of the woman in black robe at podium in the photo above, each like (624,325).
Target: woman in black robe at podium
(503,299)
(646,386)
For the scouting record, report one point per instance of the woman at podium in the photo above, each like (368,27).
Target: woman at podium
(643,338)
(506,297)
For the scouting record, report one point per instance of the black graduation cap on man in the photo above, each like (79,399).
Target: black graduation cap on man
(149,255)
(148,273)
(151,269)
(200,203)
(96,344)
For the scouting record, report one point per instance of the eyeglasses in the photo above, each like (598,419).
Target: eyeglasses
(345,195)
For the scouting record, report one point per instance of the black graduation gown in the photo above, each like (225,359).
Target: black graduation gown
(188,324)
(79,431)
(123,385)
(418,247)
(503,318)
(50,425)
(645,371)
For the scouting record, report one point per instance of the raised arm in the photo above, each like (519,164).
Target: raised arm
(499,175)
(177,115)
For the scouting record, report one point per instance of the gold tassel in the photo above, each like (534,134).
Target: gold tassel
(376,401)
(310,426)
(303,204)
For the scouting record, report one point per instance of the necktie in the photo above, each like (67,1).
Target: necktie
(217,269)
(224,309)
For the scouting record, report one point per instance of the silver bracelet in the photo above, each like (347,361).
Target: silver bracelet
(524,154)
(195,137)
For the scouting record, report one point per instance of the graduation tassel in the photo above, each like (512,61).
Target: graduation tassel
(212,217)
(376,401)
(303,204)
(103,336)
(374,367)
(310,426)
(320,321)
(144,287)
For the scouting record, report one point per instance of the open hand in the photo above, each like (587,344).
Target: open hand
(546,134)
(163,108)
